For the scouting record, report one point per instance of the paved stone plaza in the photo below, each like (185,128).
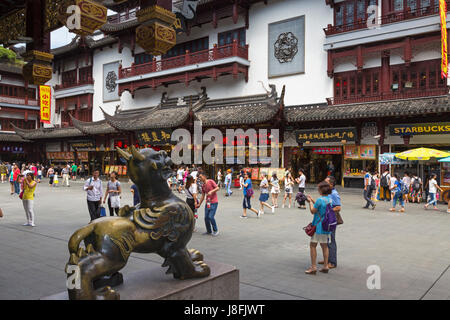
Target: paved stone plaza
(272,252)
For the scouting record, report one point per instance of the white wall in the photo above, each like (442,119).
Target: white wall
(311,87)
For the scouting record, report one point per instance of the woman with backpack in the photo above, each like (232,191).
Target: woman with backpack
(416,189)
(264,196)
(384,186)
(396,190)
(248,194)
(319,209)
(113,191)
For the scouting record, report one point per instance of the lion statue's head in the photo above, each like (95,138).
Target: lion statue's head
(147,166)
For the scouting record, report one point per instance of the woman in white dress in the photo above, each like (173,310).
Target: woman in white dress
(288,189)
(275,184)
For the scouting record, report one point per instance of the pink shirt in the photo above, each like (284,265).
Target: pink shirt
(207,187)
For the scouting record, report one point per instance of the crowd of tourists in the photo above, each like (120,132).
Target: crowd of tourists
(199,188)
(409,188)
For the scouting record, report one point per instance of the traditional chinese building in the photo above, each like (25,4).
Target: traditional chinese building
(353,71)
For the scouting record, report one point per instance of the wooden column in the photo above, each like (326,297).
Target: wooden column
(407,52)
(235,12)
(359,58)
(214,19)
(385,73)
(330,68)
(35,26)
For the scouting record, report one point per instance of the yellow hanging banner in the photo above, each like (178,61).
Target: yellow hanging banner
(45,98)
(443,15)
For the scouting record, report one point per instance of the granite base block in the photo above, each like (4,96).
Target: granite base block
(154,284)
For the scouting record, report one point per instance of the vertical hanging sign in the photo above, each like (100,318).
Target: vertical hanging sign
(443,15)
(45,99)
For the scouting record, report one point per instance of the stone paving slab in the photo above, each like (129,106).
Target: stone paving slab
(272,252)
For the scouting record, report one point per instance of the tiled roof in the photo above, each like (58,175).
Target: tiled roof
(11,137)
(10,68)
(168,114)
(115,27)
(242,110)
(157,117)
(47,133)
(92,128)
(406,107)
(89,41)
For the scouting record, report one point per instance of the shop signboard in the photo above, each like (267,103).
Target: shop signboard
(255,173)
(82,145)
(12,149)
(83,155)
(351,152)
(412,129)
(156,137)
(45,100)
(326,135)
(326,150)
(60,156)
(367,152)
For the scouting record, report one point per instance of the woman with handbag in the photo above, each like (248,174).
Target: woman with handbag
(248,193)
(27,196)
(113,190)
(288,189)
(314,229)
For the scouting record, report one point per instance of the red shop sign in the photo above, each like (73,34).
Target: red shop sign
(332,150)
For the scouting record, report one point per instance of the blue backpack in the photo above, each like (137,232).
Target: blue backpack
(403,188)
(329,222)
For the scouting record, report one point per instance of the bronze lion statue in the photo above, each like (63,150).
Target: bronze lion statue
(161,224)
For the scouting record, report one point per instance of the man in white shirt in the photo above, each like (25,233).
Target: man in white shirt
(180,174)
(66,174)
(301,180)
(93,187)
(228,179)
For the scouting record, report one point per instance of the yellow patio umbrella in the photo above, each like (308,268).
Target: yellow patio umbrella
(422,154)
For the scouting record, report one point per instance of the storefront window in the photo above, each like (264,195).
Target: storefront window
(398,5)
(228,37)
(360,10)
(339,12)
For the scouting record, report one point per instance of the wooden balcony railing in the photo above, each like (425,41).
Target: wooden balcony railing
(391,17)
(190,58)
(19,100)
(74,84)
(390,96)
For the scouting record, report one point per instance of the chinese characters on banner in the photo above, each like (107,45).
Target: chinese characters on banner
(45,98)
(327,150)
(360,152)
(158,137)
(443,16)
(326,135)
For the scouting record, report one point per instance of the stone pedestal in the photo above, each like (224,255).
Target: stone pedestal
(154,284)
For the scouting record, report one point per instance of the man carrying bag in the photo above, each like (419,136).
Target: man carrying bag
(93,187)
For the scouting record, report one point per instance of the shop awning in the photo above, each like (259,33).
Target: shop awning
(422,154)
